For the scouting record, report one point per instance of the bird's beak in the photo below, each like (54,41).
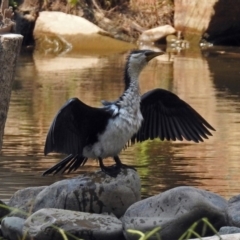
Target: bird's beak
(151,55)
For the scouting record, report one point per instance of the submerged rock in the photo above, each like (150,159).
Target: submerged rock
(175,211)
(45,224)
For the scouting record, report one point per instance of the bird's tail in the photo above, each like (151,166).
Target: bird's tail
(70,163)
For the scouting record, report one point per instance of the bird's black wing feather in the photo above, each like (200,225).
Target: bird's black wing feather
(168,117)
(75,126)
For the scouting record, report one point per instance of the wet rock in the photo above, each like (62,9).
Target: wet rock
(23,200)
(155,34)
(93,192)
(12,227)
(175,211)
(233,211)
(44,224)
(228,230)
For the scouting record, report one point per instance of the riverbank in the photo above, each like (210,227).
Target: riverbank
(124,21)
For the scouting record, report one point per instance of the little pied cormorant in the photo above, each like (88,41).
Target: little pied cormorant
(85,132)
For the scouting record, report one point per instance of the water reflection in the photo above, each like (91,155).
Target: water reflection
(208,82)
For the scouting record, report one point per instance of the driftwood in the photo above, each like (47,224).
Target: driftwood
(10,45)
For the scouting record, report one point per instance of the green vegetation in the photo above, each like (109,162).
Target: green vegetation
(186,235)
(142,236)
(191,230)
(13,3)
(146,235)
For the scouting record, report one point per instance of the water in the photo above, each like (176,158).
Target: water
(208,81)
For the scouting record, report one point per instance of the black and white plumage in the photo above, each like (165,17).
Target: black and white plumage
(85,132)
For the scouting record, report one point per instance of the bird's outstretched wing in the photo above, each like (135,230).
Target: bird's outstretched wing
(168,117)
(75,126)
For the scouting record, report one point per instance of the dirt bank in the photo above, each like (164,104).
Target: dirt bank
(124,19)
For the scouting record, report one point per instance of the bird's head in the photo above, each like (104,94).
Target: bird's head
(138,59)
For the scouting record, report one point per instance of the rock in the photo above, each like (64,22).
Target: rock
(12,227)
(233,211)
(4,209)
(23,201)
(192,18)
(93,192)
(155,34)
(66,24)
(218,21)
(175,211)
(223,237)
(228,230)
(4,5)
(224,26)
(25,22)
(83,225)
(25,18)
(64,32)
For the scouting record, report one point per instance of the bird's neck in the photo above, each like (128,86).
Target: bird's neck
(131,75)
(132,90)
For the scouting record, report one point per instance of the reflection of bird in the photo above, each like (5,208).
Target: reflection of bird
(86,132)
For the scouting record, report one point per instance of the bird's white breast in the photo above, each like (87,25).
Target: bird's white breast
(118,131)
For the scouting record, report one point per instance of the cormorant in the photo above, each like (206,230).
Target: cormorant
(85,132)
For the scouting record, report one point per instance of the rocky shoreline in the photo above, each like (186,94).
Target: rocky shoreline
(122,20)
(97,206)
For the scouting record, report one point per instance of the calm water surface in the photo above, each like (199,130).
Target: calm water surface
(208,81)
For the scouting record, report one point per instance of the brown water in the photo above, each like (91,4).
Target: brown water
(210,82)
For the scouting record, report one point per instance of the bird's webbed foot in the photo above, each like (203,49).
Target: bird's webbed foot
(115,169)
(112,171)
(121,165)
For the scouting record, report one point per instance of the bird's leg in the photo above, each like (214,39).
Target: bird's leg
(120,165)
(112,171)
(115,169)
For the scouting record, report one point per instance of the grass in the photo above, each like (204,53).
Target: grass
(186,235)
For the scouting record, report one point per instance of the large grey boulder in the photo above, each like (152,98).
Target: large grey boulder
(44,224)
(58,32)
(218,21)
(93,192)
(22,201)
(175,211)
(233,211)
